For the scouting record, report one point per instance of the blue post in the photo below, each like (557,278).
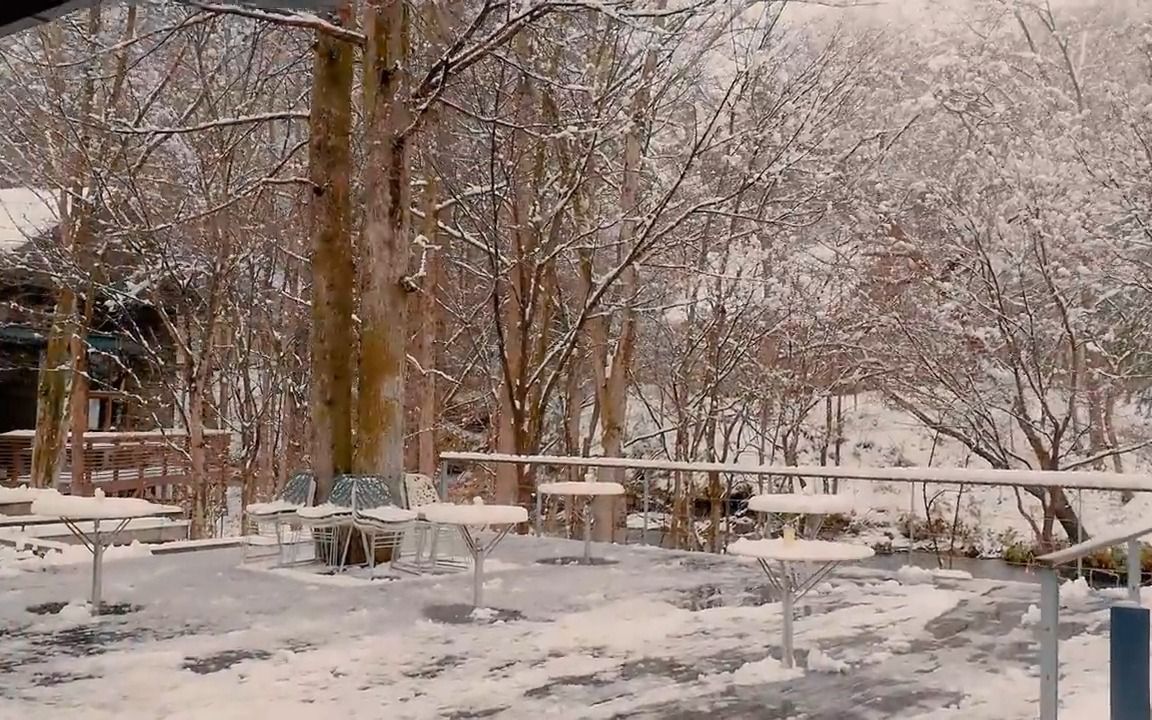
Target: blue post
(1129,663)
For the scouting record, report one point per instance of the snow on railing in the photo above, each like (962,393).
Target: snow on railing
(1073,479)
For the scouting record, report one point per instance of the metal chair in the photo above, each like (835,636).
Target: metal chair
(276,520)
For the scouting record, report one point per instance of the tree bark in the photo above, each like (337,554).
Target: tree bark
(81,484)
(333,335)
(429,331)
(52,393)
(384,243)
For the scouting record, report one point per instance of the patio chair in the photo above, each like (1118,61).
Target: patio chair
(330,523)
(445,547)
(380,514)
(275,521)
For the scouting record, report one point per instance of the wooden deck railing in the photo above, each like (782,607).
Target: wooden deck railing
(150,464)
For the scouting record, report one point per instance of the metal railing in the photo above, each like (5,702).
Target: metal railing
(1050,601)
(1048,564)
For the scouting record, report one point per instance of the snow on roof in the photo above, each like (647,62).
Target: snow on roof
(25,213)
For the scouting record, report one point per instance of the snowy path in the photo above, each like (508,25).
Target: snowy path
(657,635)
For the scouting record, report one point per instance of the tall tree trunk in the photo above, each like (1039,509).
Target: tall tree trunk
(429,330)
(573,404)
(53,382)
(52,393)
(385,242)
(198,476)
(333,334)
(612,374)
(81,482)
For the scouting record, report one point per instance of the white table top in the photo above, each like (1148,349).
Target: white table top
(800,504)
(581,488)
(800,550)
(473,514)
(76,507)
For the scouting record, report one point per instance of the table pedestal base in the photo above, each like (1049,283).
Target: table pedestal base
(96,543)
(479,552)
(789,593)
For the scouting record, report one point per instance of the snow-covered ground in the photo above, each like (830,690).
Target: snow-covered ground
(659,634)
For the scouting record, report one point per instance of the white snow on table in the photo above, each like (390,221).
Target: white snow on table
(23,494)
(801,503)
(388,514)
(75,507)
(273,507)
(475,514)
(581,488)
(800,550)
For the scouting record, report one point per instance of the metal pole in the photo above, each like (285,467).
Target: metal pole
(786,610)
(97,568)
(644,537)
(588,530)
(1079,531)
(478,579)
(912,523)
(443,481)
(1135,567)
(1049,644)
(539,513)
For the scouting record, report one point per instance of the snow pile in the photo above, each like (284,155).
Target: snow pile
(1076,593)
(14,561)
(78,554)
(819,661)
(22,559)
(75,611)
(912,575)
(483,614)
(1031,616)
(949,574)
(763,671)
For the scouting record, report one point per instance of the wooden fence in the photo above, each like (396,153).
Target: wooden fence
(151,464)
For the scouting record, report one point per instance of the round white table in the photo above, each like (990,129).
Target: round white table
(117,512)
(588,489)
(465,518)
(826,555)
